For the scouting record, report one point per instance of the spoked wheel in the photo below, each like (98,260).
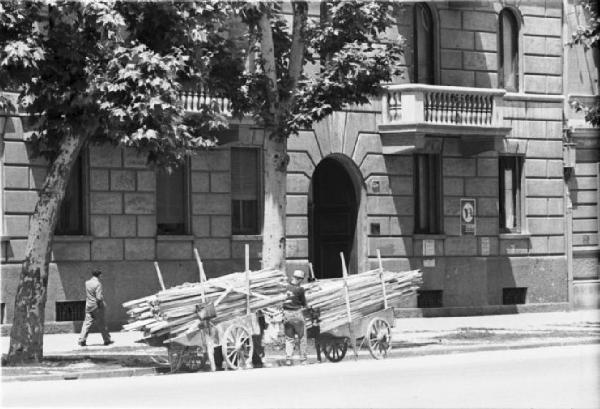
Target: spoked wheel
(237,347)
(379,338)
(176,357)
(335,350)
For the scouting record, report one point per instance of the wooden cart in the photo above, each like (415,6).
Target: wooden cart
(373,331)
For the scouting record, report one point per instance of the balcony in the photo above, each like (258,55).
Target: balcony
(194,99)
(417,115)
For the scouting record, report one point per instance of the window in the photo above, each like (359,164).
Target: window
(508,73)
(245,189)
(427,193)
(71,215)
(430,298)
(510,172)
(423,44)
(70,310)
(172,203)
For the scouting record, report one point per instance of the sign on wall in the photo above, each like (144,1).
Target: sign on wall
(467,217)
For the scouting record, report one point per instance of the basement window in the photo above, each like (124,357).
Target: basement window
(514,295)
(429,299)
(70,310)
(2,312)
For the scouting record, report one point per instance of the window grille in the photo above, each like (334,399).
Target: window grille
(70,310)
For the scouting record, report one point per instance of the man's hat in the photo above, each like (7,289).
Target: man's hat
(96,272)
(298,274)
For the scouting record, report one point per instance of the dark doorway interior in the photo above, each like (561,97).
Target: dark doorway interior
(333,211)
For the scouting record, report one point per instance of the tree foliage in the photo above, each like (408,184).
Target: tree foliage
(588,36)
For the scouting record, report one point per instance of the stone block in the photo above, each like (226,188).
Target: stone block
(70,250)
(105,156)
(297,183)
(211,203)
(199,160)
(201,226)
(542,65)
(107,249)
(585,225)
(401,185)
(450,18)
(20,201)
(296,226)
(480,61)
(453,186)
(487,226)
(534,45)
(140,203)
(133,159)
(220,226)
(296,205)
(175,250)
(535,167)
(458,78)
(555,207)
(297,248)
(451,147)
(390,246)
(545,225)
(16,153)
(399,165)
(200,182)
(452,226)
(418,247)
(238,249)
(219,159)
(459,167)
(544,149)
(481,187)
(554,46)
(487,207)
(479,21)
(493,246)
(122,180)
(451,59)
(16,225)
(16,177)
(300,162)
(460,246)
(390,205)
(378,185)
(99,179)
(37,177)
(373,164)
(146,226)
(106,203)
(486,42)
(541,110)
(123,226)
(99,226)
(146,181)
(535,84)
(556,244)
(585,169)
(258,136)
(584,211)
(140,249)
(452,206)
(544,188)
(401,226)
(487,79)
(539,245)
(554,85)
(457,39)
(542,26)
(382,222)
(487,167)
(220,182)
(537,206)
(15,250)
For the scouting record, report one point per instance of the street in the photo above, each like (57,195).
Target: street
(556,377)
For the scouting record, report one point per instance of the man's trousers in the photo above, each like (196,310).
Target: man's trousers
(94,317)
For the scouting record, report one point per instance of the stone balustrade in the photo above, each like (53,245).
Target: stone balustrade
(442,105)
(193,100)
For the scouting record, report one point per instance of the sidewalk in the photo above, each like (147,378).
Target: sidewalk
(411,337)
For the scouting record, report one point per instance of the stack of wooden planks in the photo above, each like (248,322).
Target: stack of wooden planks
(365,294)
(173,311)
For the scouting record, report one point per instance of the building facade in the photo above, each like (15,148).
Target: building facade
(460,169)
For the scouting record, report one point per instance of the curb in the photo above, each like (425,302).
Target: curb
(275,361)
(114,373)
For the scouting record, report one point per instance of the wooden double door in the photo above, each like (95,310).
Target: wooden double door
(333,209)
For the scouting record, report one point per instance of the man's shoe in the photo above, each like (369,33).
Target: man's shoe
(109,342)
(81,343)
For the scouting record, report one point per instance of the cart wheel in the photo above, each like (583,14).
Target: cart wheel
(379,338)
(194,359)
(237,346)
(176,356)
(335,350)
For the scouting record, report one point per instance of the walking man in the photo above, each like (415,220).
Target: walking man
(293,318)
(94,309)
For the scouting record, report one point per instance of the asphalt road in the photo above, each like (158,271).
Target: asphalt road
(557,377)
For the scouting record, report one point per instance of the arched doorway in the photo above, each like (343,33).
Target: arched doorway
(334,207)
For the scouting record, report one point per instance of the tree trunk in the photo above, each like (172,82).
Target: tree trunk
(26,337)
(276,161)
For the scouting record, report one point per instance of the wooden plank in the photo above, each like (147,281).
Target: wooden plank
(160,279)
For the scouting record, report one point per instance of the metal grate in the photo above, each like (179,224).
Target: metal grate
(70,310)
(2,312)
(429,298)
(514,295)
